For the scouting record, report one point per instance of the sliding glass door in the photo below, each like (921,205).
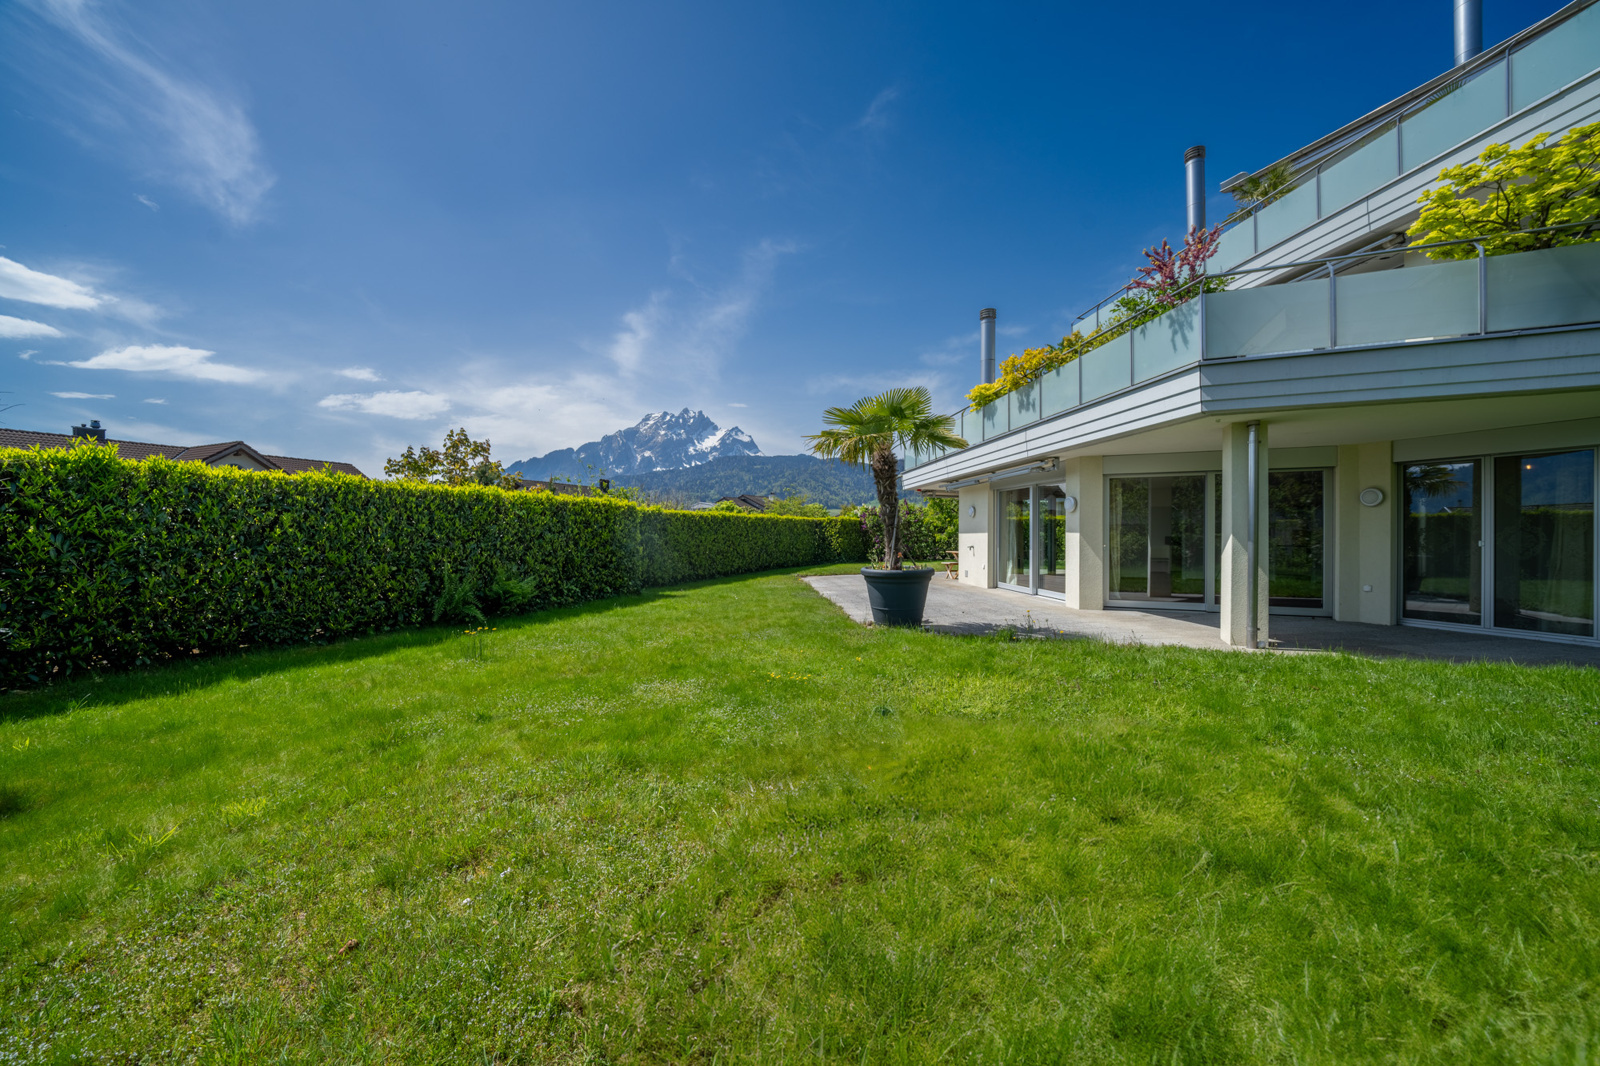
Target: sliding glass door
(1544,543)
(1525,560)
(1157,540)
(1016,555)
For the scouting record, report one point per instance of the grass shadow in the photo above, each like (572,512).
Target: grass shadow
(160,679)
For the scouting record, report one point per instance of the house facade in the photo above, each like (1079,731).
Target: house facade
(1351,429)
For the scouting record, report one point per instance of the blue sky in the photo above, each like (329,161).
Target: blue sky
(333,229)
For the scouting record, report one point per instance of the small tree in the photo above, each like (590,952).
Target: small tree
(1508,191)
(867,433)
(1170,278)
(462,461)
(799,505)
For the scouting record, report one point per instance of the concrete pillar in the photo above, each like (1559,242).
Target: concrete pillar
(1083,560)
(1367,549)
(1234,580)
(972,533)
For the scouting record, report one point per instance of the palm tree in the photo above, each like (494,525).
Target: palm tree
(867,433)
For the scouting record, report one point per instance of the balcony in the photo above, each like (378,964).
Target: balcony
(1417,129)
(1327,312)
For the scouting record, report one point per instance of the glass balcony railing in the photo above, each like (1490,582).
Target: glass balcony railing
(1524,74)
(1487,295)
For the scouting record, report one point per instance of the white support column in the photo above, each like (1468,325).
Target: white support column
(1234,580)
(1082,562)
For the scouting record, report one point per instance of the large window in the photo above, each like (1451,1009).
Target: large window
(1506,542)
(1442,578)
(1296,520)
(1158,539)
(1015,557)
(1052,540)
(1544,543)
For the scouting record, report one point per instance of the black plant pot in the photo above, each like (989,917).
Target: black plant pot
(897,596)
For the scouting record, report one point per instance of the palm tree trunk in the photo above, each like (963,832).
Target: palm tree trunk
(884,479)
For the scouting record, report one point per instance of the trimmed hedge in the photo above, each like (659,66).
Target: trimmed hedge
(109,563)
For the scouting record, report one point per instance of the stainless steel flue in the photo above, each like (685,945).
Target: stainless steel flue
(1469,29)
(986,343)
(1194,180)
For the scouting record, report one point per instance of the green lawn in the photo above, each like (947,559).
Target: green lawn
(722,823)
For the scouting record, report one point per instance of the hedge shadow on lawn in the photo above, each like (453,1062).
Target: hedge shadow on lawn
(160,679)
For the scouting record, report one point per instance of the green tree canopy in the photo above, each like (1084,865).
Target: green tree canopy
(1508,191)
(462,461)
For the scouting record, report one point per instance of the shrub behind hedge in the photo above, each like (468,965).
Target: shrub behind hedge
(107,563)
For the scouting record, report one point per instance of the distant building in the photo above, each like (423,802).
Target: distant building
(746,502)
(228,453)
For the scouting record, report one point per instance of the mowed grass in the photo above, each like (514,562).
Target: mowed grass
(722,823)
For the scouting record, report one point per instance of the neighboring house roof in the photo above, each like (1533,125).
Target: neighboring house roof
(210,454)
(748,502)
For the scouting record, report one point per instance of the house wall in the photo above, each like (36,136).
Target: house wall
(238,459)
(1365,540)
(1084,479)
(976,507)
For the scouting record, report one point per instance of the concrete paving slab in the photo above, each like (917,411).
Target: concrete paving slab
(969,611)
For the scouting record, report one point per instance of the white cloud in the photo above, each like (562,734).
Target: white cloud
(360,373)
(29,354)
(85,395)
(22,327)
(395,404)
(876,116)
(143,199)
(152,400)
(688,338)
(189,133)
(193,363)
(17,282)
(738,405)
(630,344)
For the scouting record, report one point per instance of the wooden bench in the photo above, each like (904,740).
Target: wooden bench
(951,563)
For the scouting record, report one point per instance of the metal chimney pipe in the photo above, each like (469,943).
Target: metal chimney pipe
(1194,179)
(986,344)
(1469,29)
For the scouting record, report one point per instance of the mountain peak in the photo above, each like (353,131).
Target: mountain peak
(658,441)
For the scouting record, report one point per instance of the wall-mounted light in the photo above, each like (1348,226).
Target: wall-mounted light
(1069,504)
(972,510)
(1371,497)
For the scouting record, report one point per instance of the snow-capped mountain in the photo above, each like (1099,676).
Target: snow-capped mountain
(663,441)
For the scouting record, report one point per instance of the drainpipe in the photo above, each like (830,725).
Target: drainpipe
(1194,180)
(1469,29)
(986,344)
(1252,505)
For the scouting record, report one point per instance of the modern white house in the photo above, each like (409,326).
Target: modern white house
(1351,429)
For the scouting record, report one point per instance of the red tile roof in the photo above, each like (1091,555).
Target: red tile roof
(200,453)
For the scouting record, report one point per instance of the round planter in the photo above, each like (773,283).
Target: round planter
(897,596)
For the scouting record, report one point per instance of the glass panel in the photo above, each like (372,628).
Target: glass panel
(1052,540)
(994,419)
(1058,390)
(1235,246)
(1158,549)
(1409,303)
(1468,109)
(1272,318)
(1014,508)
(1106,369)
(1024,405)
(1544,543)
(1171,341)
(1216,539)
(1443,543)
(1553,287)
(1129,550)
(1294,538)
(1362,170)
(1560,57)
(1284,218)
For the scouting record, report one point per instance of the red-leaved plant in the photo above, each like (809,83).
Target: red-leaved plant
(1171,270)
